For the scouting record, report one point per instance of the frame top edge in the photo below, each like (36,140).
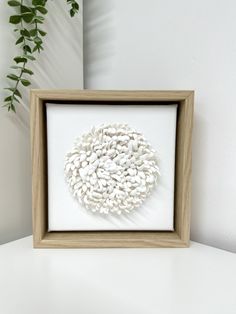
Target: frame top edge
(77,94)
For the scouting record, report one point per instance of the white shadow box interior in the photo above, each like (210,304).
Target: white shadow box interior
(66,122)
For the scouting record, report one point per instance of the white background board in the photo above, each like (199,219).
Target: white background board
(66,122)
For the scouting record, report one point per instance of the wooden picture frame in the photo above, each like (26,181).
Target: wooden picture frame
(94,239)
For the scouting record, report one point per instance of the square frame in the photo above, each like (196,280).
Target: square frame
(94,239)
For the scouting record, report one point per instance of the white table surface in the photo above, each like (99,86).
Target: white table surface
(198,280)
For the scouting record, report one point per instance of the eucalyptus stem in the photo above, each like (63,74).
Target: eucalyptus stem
(22,70)
(29,17)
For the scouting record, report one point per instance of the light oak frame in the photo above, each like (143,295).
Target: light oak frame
(103,239)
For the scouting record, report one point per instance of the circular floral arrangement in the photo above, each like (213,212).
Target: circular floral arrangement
(112,168)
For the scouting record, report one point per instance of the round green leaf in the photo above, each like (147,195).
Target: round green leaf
(25,82)
(24,32)
(20,59)
(38,2)
(33,32)
(27,17)
(72,12)
(42,33)
(14,3)
(15,19)
(27,48)
(75,6)
(41,9)
(28,71)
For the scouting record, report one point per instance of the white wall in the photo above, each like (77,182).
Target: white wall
(60,66)
(185,44)
(156,44)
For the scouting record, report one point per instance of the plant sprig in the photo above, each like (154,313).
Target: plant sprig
(74,7)
(28,20)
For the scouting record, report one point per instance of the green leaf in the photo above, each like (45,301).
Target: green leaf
(38,18)
(12,108)
(20,59)
(28,71)
(15,91)
(24,32)
(38,2)
(42,33)
(27,48)
(35,48)
(13,77)
(33,32)
(20,40)
(38,40)
(37,21)
(13,3)
(25,82)
(8,105)
(25,9)
(41,9)
(72,12)
(38,48)
(75,6)
(8,98)
(15,19)
(27,17)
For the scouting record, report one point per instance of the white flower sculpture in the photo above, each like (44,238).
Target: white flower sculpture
(111,169)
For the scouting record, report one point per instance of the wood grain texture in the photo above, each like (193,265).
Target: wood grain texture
(183,162)
(84,239)
(126,239)
(78,95)
(39,168)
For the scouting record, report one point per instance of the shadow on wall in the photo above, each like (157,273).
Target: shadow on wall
(59,66)
(198,156)
(203,189)
(8,51)
(15,177)
(99,37)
